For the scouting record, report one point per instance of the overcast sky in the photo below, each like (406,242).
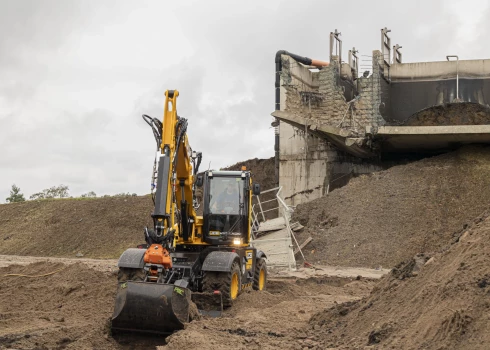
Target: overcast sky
(75,76)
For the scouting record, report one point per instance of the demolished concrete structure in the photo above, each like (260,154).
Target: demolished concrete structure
(332,124)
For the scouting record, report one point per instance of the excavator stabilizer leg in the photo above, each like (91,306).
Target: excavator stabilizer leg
(150,308)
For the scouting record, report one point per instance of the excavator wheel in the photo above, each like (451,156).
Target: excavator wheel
(260,275)
(128,274)
(228,283)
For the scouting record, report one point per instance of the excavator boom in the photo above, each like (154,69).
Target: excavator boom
(155,304)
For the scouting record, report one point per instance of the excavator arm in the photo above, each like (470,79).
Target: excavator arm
(174,215)
(150,296)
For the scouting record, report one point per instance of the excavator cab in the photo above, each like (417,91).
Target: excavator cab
(226,207)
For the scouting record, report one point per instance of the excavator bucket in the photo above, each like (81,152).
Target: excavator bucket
(208,304)
(150,308)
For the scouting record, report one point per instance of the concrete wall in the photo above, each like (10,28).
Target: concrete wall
(310,166)
(420,71)
(324,96)
(303,171)
(334,102)
(416,86)
(373,104)
(302,158)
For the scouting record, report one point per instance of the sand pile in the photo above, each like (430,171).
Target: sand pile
(438,302)
(466,113)
(89,227)
(386,217)
(94,228)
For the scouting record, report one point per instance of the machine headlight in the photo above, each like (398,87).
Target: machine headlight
(237,241)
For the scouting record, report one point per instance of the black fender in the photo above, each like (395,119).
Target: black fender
(132,258)
(260,254)
(219,261)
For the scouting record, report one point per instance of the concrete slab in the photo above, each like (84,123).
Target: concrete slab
(278,248)
(272,225)
(341,138)
(428,138)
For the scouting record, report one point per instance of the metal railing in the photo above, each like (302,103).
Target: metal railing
(258,212)
(258,216)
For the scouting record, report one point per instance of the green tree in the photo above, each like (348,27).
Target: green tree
(15,195)
(90,194)
(122,194)
(60,191)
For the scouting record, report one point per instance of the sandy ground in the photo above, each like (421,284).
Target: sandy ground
(67,304)
(266,320)
(96,264)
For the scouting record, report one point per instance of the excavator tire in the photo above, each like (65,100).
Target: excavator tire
(228,283)
(260,275)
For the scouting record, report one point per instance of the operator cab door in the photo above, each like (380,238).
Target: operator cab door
(226,201)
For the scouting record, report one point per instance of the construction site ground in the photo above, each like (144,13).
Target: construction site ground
(69,304)
(423,228)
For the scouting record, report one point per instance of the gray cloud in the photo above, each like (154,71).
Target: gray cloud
(75,77)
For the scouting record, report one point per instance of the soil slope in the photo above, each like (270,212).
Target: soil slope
(94,227)
(437,303)
(97,228)
(263,171)
(386,217)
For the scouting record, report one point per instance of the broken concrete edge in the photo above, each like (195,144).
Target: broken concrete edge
(341,138)
(429,130)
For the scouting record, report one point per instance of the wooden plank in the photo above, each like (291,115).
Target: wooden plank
(296,226)
(302,245)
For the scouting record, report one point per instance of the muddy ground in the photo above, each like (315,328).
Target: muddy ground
(67,305)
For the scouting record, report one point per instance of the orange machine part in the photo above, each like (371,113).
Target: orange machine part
(157,254)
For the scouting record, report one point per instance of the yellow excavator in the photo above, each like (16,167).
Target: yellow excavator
(187,259)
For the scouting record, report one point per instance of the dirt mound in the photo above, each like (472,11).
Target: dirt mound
(263,171)
(96,228)
(439,303)
(466,113)
(389,216)
(266,320)
(68,309)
